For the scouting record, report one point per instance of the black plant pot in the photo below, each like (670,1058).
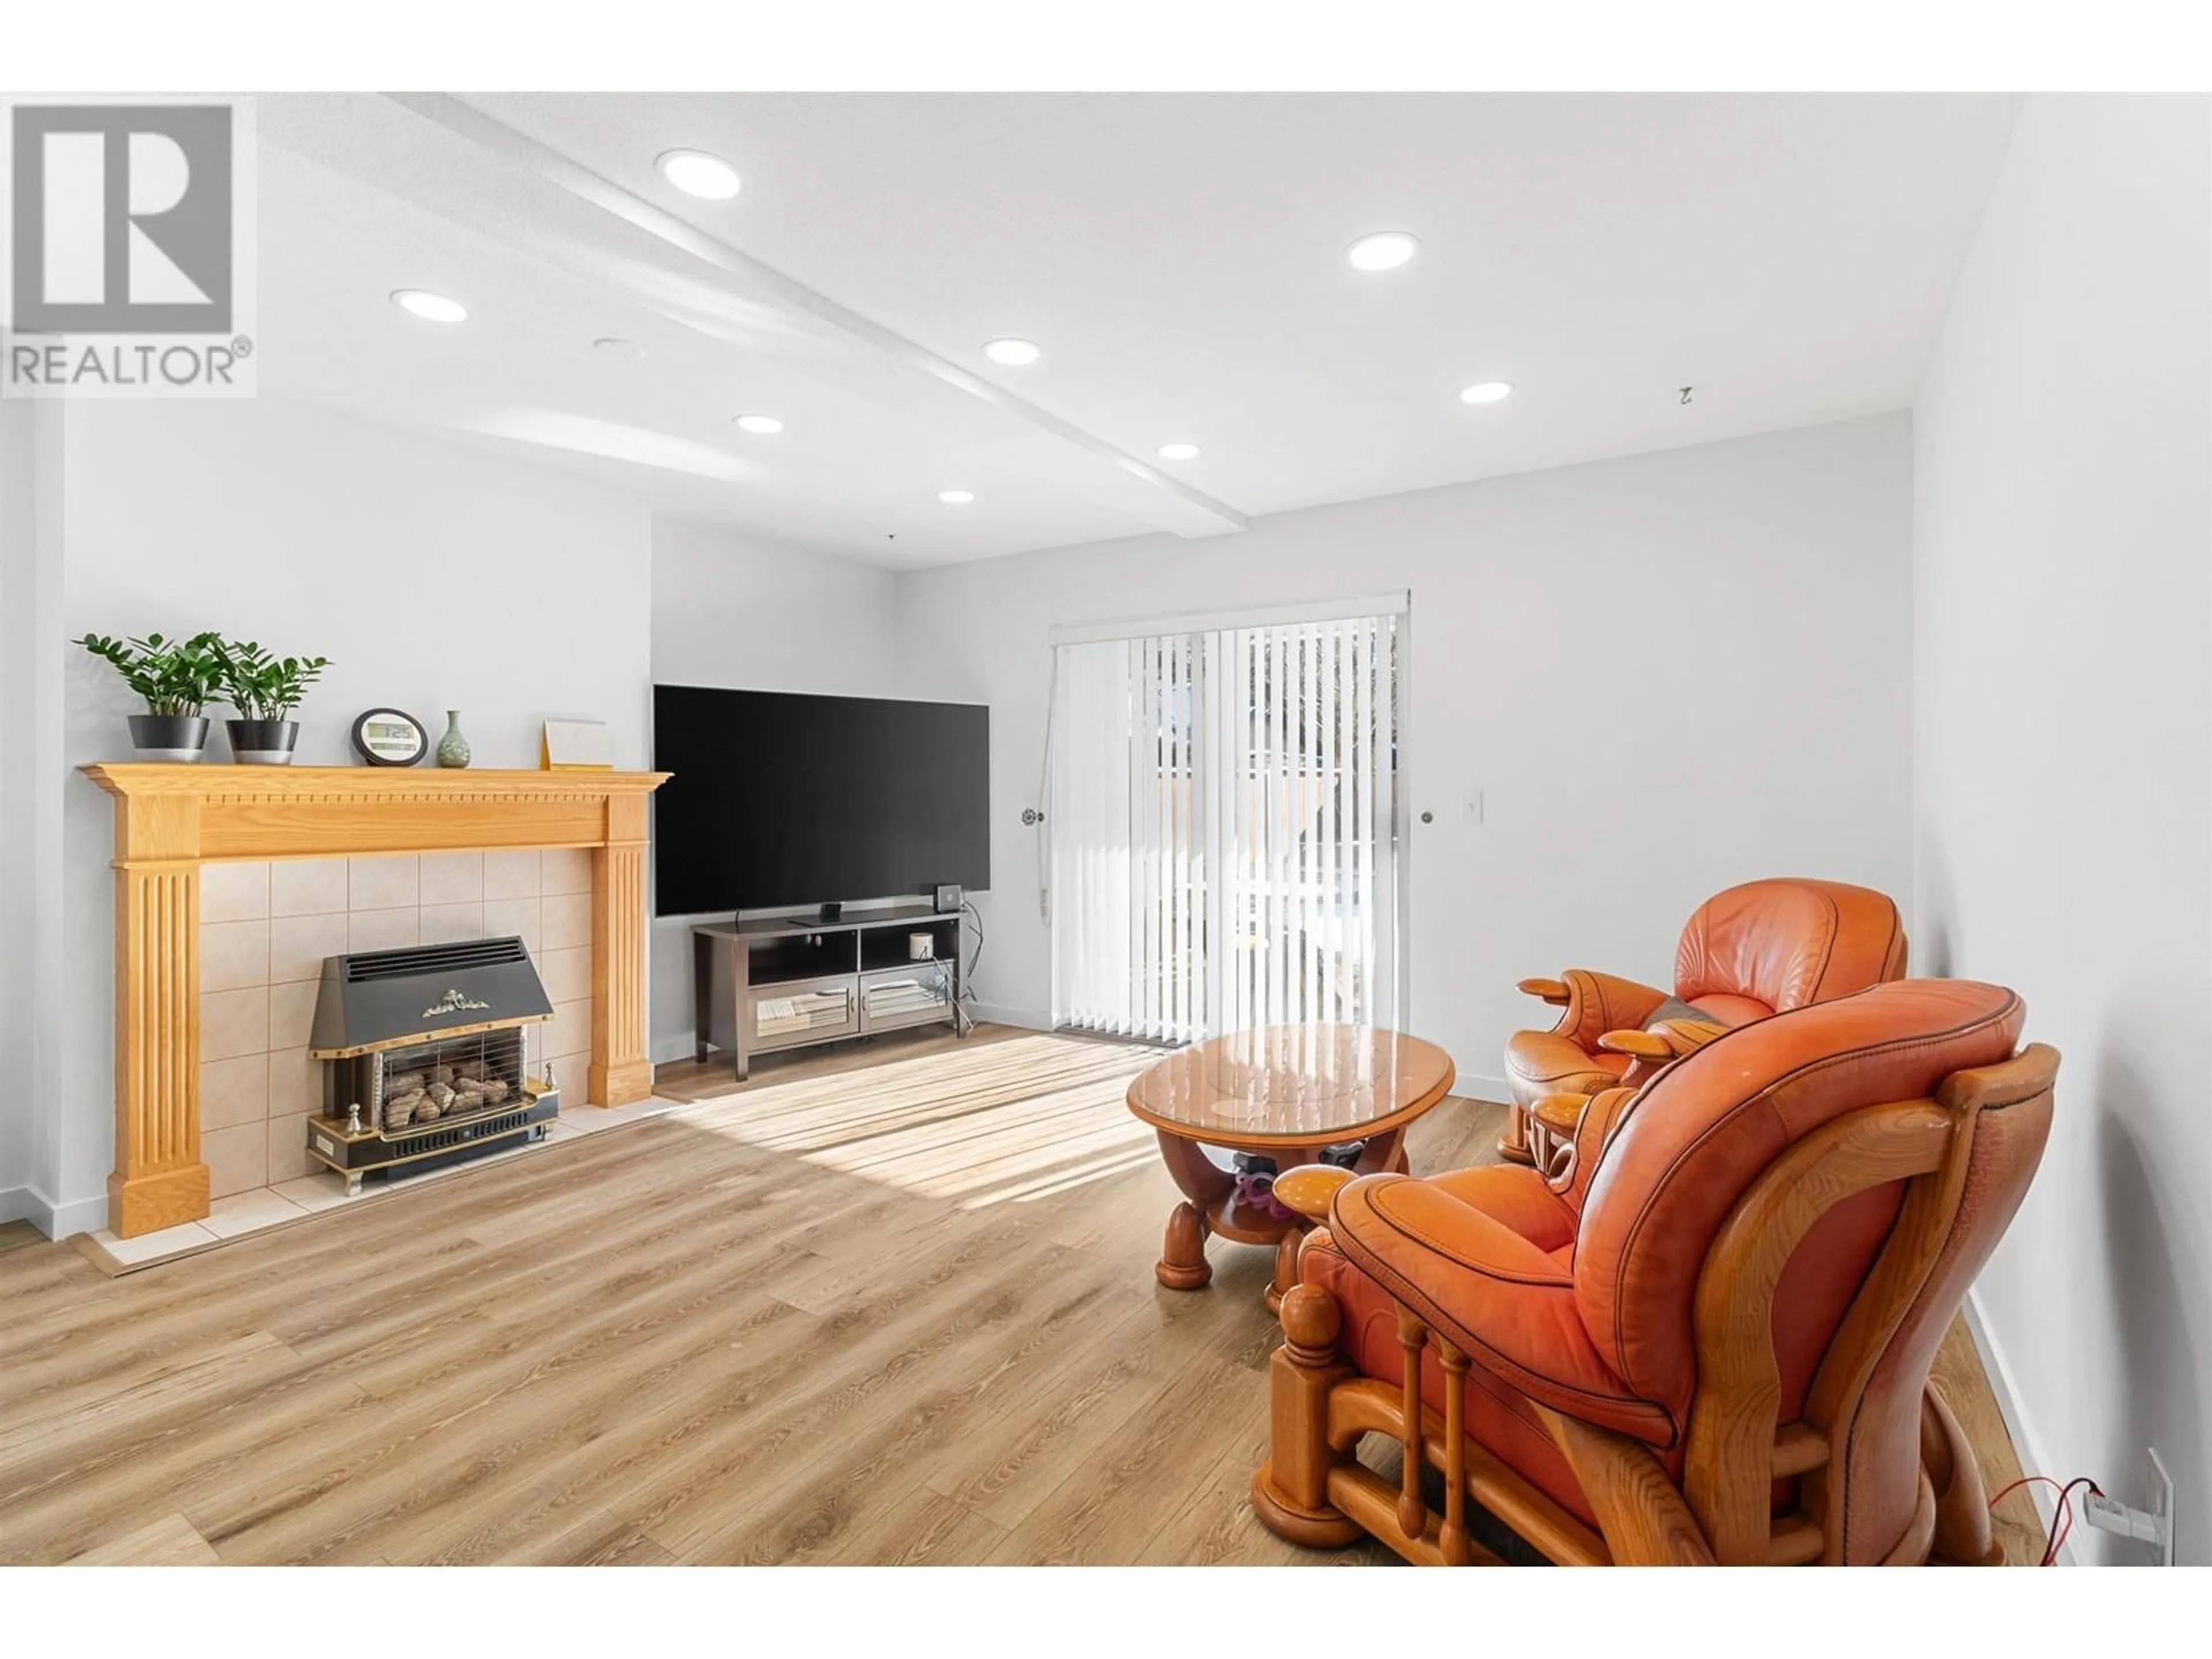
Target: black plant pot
(168,737)
(262,742)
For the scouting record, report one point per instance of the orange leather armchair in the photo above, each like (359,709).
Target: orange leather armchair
(1760,949)
(1712,1342)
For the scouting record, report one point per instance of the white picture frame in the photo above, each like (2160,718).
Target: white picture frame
(577,746)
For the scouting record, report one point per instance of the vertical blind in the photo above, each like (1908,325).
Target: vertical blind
(1223,829)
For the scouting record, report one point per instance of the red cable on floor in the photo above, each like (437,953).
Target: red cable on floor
(2061,1515)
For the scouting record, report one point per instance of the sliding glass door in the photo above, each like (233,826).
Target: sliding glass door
(1128,880)
(1224,828)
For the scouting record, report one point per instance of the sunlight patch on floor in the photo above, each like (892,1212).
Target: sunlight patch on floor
(1008,1122)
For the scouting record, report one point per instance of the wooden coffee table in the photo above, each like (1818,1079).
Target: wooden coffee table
(1285,1091)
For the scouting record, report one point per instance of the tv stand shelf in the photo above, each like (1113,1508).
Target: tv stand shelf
(761,984)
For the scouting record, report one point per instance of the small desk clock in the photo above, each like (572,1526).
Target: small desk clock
(386,737)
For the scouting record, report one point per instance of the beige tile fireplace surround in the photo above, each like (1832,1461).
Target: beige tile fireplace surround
(265,928)
(232,882)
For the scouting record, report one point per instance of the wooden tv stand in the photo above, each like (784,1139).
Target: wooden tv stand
(763,984)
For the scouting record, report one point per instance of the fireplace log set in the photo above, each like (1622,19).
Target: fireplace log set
(420,1086)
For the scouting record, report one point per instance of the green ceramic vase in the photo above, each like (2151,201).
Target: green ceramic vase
(452,748)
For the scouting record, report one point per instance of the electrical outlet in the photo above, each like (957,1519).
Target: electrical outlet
(2162,1505)
(2153,1526)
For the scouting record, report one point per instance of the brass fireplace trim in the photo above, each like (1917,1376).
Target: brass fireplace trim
(170,820)
(416,1041)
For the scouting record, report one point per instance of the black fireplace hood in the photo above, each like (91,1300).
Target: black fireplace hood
(373,999)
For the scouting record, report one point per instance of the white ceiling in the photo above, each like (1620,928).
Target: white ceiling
(1180,259)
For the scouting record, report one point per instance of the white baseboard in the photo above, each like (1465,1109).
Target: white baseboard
(1000,1013)
(2034,1459)
(668,1049)
(83,1215)
(1469,1085)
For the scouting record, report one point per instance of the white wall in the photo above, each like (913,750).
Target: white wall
(435,575)
(731,611)
(31,790)
(18,571)
(2063,759)
(1664,674)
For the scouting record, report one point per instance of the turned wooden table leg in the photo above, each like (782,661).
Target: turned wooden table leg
(1205,1184)
(1182,1265)
(1383,1154)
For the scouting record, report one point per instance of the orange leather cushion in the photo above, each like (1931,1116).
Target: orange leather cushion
(1703,1130)
(1789,942)
(1515,1196)
(1499,1297)
(1498,1419)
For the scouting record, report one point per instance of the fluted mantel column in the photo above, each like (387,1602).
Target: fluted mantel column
(159,1179)
(621,1070)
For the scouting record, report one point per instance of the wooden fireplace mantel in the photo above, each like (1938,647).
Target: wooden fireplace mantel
(170,820)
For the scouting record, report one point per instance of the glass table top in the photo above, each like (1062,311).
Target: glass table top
(1312,1084)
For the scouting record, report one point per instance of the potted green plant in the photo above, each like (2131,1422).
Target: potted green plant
(264,688)
(175,678)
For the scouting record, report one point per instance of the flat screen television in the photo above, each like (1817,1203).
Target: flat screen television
(780,798)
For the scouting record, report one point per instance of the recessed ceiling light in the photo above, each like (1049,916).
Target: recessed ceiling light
(760,423)
(1178,452)
(1386,250)
(430,307)
(956,497)
(1488,392)
(1013,353)
(697,174)
(628,350)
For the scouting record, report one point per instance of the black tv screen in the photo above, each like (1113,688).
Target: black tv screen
(782,799)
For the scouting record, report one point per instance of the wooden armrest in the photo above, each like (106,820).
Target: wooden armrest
(1644,1045)
(1668,1039)
(1310,1188)
(1561,1114)
(1550,990)
(1688,1036)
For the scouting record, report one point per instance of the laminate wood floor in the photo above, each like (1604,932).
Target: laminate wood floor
(898,1314)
